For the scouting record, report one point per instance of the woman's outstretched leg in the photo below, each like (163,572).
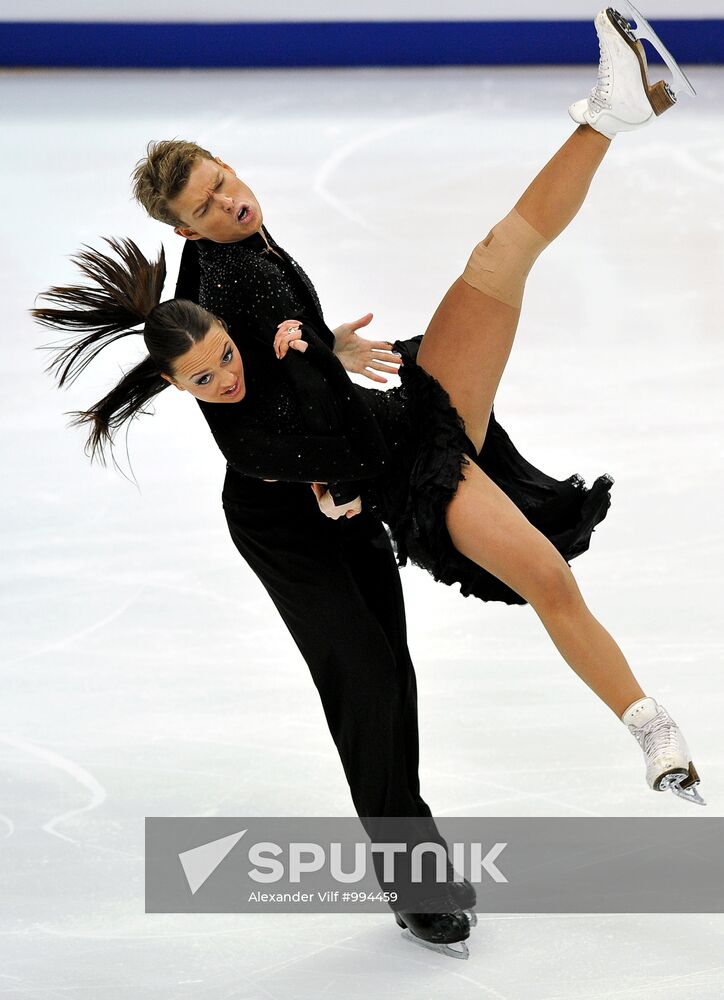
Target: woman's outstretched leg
(467,344)
(487,527)
(477,319)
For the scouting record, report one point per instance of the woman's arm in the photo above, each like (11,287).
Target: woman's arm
(342,440)
(256,317)
(298,458)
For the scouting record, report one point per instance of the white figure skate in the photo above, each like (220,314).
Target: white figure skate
(668,763)
(623,99)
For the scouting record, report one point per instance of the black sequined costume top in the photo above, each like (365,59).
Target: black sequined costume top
(401,449)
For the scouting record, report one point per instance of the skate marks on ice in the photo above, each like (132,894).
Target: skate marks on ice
(68,640)
(69,767)
(321,187)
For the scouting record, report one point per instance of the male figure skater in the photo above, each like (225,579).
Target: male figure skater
(334,579)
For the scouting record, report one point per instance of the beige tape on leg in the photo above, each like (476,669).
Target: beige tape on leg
(500,264)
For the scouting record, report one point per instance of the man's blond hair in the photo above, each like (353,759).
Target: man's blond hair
(162,175)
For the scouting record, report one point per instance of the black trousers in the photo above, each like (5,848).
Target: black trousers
(337,587)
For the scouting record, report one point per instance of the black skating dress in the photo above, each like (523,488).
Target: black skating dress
(427,438)
(401,450)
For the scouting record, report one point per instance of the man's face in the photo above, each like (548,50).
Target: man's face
(210,369)
(215,205)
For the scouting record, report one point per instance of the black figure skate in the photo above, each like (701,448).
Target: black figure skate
(437,931)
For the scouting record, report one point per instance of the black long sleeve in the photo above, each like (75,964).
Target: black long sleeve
(189,273)
(340,439)
(253,292)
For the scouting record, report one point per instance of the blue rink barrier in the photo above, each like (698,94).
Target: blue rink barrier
(337,43)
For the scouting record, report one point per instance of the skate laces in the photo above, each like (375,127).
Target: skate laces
(659,736)
(601,92)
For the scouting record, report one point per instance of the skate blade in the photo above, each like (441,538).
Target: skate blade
(644,30)
(683,784)
(457,949)
(691,794)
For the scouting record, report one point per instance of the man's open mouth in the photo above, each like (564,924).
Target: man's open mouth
(243,214)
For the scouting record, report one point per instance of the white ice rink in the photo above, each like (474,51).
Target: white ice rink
(145,671)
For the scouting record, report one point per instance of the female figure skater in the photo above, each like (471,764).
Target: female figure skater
(428,456)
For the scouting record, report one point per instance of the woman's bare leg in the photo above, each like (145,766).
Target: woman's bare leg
(466,347)
(487,527)
(469,339)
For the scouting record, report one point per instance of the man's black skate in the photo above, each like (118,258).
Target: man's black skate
(437,931)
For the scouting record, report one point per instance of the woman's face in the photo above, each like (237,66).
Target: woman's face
(211,369)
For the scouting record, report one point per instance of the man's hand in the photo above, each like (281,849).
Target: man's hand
(328,506)
(359,355)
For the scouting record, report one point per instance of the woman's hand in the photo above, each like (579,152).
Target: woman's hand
(328,506)
(288,335)
(358,354)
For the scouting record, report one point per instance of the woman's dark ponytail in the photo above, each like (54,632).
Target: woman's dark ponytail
(125,401)
(126,295)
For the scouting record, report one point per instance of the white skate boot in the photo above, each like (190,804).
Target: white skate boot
(668,764)
(623,99)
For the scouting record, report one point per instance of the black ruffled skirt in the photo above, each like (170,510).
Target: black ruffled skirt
(412,498)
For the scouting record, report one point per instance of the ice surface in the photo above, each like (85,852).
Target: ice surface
(145,672)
